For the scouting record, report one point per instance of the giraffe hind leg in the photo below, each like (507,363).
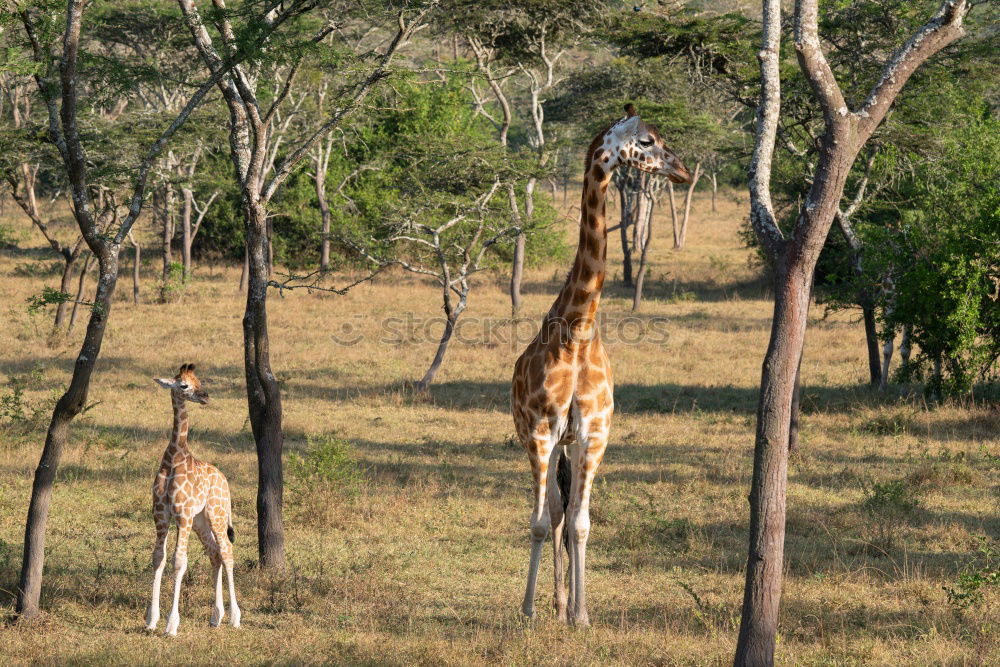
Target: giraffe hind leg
(221,520)
(541,452)
(159,563)
(203,527)
(558,497)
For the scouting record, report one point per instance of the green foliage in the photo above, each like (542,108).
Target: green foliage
(887,505)
(327,465)
(50,297)
(980,573)
(17,414)
(171,288)
(943,253)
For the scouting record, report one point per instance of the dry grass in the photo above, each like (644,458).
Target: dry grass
(424,563)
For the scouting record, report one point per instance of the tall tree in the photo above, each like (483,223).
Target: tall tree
(260,173)
(794,257)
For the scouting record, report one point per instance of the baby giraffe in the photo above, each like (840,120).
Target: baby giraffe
(196,494)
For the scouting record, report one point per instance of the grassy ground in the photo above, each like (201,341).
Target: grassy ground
(418,554)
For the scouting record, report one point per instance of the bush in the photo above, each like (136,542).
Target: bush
(324,473)
(982,572)
(888,505)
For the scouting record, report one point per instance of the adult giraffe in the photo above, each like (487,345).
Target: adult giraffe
(562,386)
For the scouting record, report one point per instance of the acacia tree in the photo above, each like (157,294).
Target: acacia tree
(794,257)
(59,82)
(260,172)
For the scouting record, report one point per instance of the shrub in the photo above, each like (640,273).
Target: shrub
(325,472)
(980,573)
(888,505)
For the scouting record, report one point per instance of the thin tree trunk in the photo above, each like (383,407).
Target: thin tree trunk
(715,189)
(762,593)
(136,263)
(673,214)
(79,291)
(449,329)
(626,246)
(263,395)
(324,209)
(871,339)
(167,200)
(186,237)
(65,283)
(517,265)
(687,205)
(643,259)
(70,404)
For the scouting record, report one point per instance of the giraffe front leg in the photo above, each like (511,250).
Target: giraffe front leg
(540,520)
(180,566)
(159,563)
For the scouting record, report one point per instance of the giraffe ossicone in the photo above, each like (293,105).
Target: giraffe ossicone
(196,495)
(562,390)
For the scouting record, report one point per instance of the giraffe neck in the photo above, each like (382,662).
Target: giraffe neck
(578,300)
(179,436)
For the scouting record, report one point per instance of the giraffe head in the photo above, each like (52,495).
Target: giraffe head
(631,141)
(185,385)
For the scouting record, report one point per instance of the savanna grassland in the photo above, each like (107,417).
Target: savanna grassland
(414,547)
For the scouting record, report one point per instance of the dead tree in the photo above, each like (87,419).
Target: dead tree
(794,258)
(254,154)
(57,83)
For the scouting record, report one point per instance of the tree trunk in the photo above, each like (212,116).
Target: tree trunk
(517,268)
(449,329)
(626,245)
(65,283)
(186,238)
(643,264)
(263,394)
(687,206)
(79,291)
(324,209)
(517,265)
(715,189)
(762,593)
(167,201)
(516,275)
(871,338)
(673,214)
(136,263)
(70,404)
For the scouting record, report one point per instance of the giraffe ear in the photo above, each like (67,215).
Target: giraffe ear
(166,383)
(626,128)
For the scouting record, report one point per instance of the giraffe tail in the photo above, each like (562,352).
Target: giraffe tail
(230,533)
(564,478)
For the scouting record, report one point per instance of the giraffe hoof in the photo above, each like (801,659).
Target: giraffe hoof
(216,619)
